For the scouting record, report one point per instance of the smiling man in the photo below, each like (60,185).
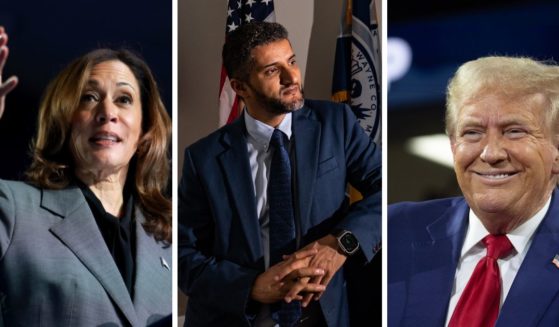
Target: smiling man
(488,258)
(265,228)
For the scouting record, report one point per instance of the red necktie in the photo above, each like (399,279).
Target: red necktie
(479,304)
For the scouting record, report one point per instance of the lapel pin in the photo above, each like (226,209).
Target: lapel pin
(164,263)
(556,260)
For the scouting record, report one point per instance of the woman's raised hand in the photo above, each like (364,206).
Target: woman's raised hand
(10,83)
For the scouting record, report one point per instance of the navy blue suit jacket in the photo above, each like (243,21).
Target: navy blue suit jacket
(219,234)
(425,241)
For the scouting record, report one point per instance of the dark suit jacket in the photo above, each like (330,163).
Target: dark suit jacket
(219,234)
(56,269)
(425,241)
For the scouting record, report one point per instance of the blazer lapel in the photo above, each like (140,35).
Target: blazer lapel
(536,284)
(236,168)
(152,283)
(434,264)
(79,232)
(306,132)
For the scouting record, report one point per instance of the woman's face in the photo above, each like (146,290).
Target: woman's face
(107,125)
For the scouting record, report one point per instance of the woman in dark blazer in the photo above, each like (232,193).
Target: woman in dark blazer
(85,241)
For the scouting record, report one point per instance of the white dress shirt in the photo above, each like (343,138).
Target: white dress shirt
(260,159)
(473,250)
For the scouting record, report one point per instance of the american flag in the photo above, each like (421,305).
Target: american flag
(239,12)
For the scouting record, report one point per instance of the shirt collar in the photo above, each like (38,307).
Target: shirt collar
(101,215)
(261,133)
(519,237)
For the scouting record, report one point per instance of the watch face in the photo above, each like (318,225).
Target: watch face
(349,242)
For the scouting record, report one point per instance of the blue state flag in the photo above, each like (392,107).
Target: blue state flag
(357,65)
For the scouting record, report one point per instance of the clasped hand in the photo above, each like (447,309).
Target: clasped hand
(301,276)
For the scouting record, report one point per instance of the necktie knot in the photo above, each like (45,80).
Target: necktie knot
(278,139)
(498,246)
(479,303)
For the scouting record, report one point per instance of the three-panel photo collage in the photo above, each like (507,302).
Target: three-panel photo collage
(279,163)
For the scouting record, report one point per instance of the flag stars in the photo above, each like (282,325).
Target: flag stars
(239,4)
(250,3)
(248,18)
(266,1)
(230,11)
(232,27)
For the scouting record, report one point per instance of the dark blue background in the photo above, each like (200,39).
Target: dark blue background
(443,36)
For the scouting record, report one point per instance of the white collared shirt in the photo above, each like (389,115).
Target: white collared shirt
(260,159)
(473,250)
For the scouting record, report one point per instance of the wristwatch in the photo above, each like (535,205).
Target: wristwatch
(347,242)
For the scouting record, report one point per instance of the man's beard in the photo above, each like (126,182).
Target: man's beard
(277,106)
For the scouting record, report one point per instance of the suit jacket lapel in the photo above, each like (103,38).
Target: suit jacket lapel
(79,232)
(434,264)
(152,284)
(306,132)
(236,168)
(537,281)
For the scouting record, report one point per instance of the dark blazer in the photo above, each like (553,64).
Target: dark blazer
(56,269)
(425,241)
(219,234)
